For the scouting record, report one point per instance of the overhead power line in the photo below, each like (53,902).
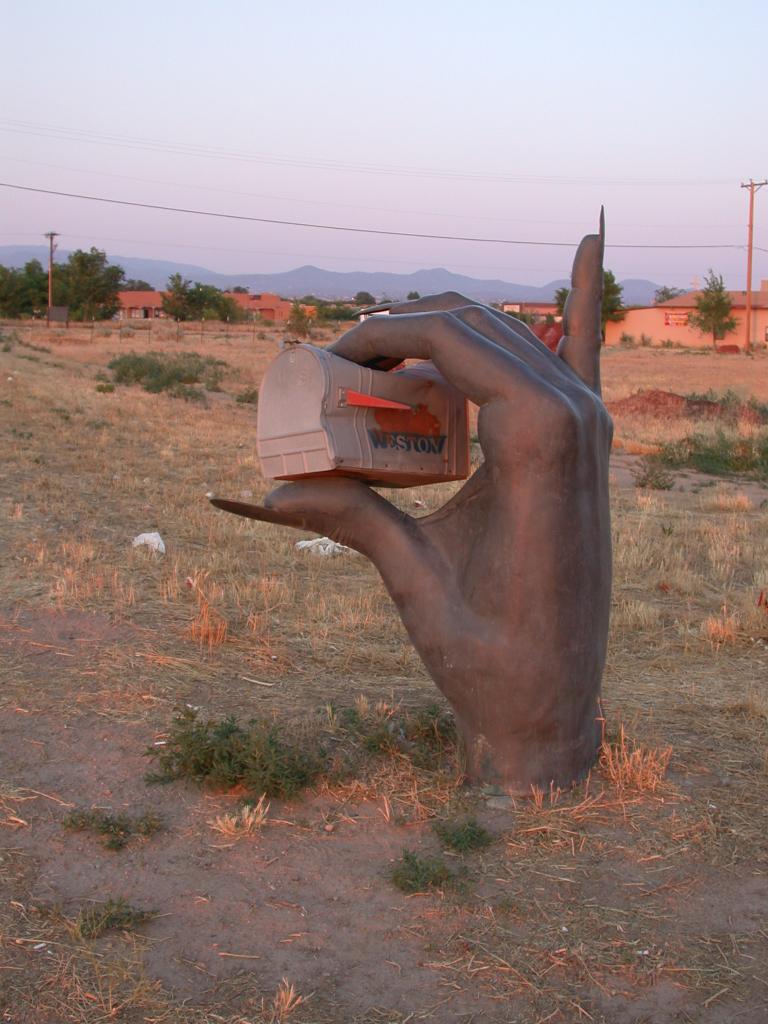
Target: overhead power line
(70,134)
(354,230)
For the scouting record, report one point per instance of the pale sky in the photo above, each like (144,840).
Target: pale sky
(491,119)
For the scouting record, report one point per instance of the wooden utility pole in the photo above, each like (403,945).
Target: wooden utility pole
(50,235)
(753,186)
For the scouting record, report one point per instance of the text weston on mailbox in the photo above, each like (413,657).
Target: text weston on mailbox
(322,415)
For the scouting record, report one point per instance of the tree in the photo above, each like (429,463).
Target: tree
(186,301)
(713,304)
(665,294)
(413,295)
(240,290)
(176,298)
(88,285)
(612,307)
(135,284)
(298,321)
(23,292)
(365,299)
(327,311)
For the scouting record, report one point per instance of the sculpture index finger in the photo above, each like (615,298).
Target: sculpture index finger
(582,316)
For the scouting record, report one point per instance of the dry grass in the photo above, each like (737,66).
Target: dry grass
(628,765)
(285,1002)
(247,821)
(586,895)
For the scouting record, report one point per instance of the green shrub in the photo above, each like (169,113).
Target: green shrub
(115,829)
(248,397)
(651,474)
(719,456)
(731,403)
(173,374)
(105,389)
(425,735)
(627,340)
(413,873)
(281,760)
(463,836)
(224,754)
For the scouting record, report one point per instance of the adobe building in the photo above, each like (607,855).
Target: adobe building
(266,306)
(149,306)
(537,310)
(668,322)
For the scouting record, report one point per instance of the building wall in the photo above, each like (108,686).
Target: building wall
(661,323)
(542,309)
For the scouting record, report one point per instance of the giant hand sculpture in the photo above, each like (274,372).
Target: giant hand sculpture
(505,590)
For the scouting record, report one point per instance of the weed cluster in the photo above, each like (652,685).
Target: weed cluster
(225,754)
(650,473)
(279,761)
(174,374)
(100,917)
(115,829)
(720,455)
(463,837)
(8,339)
(731,404)
(425,735)
(413,873)
(248,397)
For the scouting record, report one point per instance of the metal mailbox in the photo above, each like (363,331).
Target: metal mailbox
(322,415)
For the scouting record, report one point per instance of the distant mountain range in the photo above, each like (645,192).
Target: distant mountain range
(330,284)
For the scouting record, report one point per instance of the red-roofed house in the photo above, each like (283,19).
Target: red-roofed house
(141,305)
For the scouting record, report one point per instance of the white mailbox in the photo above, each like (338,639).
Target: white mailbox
(321,415)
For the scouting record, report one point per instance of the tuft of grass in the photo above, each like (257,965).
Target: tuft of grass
(721,629)
(629,766)
(248,397)
(246,821)
(105,389)
(285,1000)
(94,920)
(719,456)
(463,836)
(413,873)
(225,754)
(116,830)
(174,374)
(649,473)
(424,735)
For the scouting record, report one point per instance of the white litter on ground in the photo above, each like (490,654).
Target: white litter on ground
(150,540)
(323,546)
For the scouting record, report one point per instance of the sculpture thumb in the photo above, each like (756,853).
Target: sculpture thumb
(345,510)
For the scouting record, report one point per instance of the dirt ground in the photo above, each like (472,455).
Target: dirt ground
(612,903)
